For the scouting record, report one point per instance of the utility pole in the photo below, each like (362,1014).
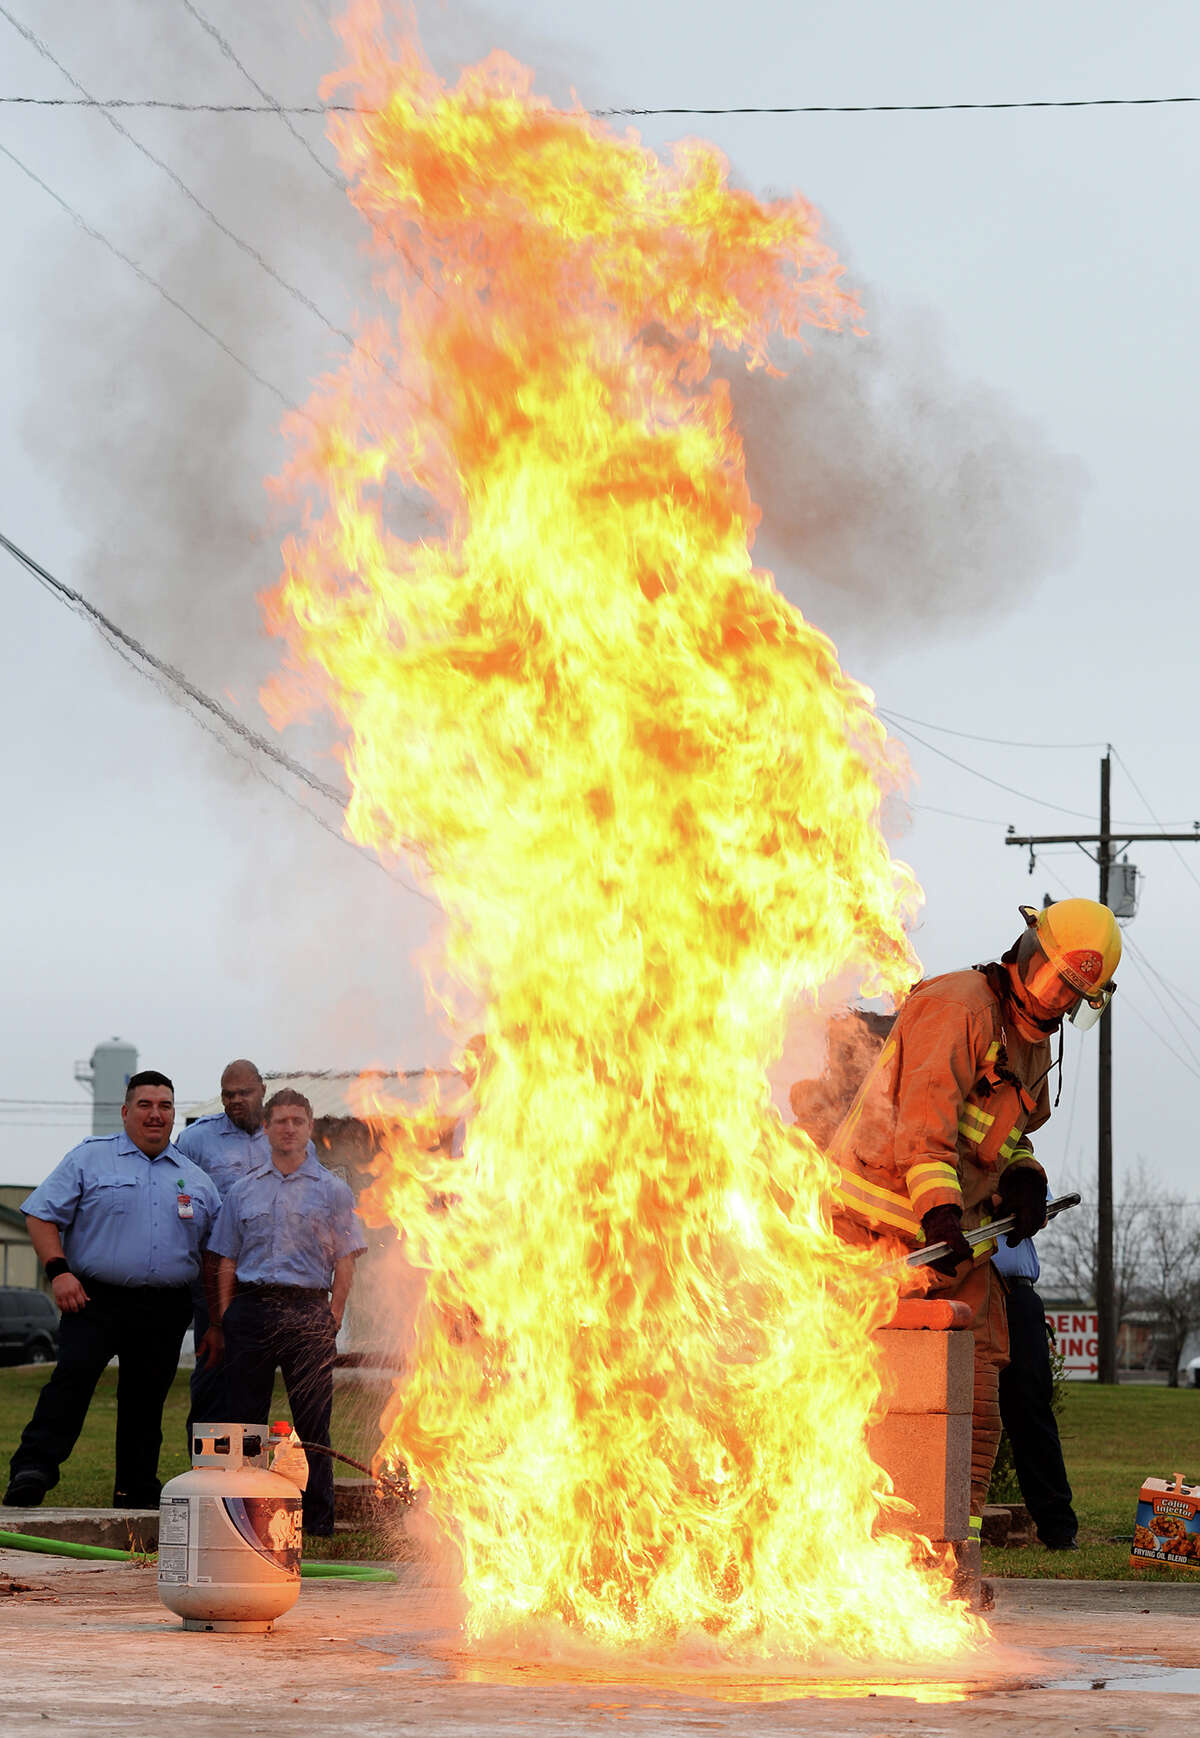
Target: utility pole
(1105,854)
(1106,1295)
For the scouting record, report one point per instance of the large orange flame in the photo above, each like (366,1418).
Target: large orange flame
(648,800)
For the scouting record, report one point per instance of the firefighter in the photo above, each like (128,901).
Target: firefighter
(936,1140)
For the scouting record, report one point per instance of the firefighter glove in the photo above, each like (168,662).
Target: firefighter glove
(1022,1193)
(944,1225)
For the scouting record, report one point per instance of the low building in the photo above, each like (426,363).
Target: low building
(18,1263)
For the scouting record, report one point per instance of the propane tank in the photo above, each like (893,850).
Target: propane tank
(229,1534)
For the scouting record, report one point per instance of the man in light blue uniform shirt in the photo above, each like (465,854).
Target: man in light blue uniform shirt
(228,1146)
(287,1234)
(120,1226)
(1026,1399)
(234,1142)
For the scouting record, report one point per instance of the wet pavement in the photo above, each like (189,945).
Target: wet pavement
(88,1648)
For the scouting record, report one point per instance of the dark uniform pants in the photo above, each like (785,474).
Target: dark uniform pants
(209,1402)
(1026,1391)
(141,1326)
(269,1327)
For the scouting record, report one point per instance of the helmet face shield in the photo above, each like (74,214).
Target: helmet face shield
(1055,995)
(1049,988)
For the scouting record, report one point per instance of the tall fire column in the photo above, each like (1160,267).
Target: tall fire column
(648,800)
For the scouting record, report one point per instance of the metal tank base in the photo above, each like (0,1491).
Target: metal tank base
(231,1625)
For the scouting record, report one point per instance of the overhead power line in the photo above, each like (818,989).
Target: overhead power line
(174,684)
(173,301)
(58,1103)
(273,108)
(954,814)
(1012,790)
(897,720)
(189,193)
(1126,1001)
(994,741)
(1187,868)
(247,248)
(910,108)
(152,282)
(111,631)
(277,108)
(1136,953)
(1165,1042)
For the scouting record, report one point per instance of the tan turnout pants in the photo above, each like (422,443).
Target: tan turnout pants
(982,1289)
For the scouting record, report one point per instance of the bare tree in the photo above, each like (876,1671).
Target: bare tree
(1170,1285)
(1069,1246)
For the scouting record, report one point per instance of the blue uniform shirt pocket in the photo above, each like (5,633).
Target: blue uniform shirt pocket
(113,1194)
(257,1238)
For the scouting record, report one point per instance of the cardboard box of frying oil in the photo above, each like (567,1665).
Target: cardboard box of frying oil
(1167,1528)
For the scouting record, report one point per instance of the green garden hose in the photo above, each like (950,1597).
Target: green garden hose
(109,1554)
(62,1547)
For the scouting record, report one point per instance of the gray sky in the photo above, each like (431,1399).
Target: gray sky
(988,502)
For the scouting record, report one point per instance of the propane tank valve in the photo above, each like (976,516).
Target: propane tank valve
(289,1459)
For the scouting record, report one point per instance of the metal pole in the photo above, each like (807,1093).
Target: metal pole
(1106,1303)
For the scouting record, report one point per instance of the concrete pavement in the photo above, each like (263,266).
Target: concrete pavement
(88,1649)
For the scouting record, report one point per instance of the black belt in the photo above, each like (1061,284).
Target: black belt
(112,1285)
(287,1293)
(1019,1279)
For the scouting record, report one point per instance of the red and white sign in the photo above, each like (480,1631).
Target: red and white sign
(1077,1333)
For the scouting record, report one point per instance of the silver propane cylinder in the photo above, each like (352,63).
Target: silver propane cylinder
(229,1534)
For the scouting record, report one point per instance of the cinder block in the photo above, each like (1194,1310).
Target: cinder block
(926,1372)
(929,1459)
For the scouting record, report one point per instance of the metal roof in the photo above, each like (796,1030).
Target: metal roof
(337,1094)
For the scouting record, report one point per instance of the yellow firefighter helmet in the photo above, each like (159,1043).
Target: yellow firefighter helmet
(1082,943)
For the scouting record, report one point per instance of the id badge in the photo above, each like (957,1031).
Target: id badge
(185,1207)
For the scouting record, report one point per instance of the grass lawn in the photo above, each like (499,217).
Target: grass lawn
(87,1478)
(1113,1438)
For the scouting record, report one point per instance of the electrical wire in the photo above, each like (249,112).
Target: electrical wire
(1127,1002)
(1166,1044)
(278,108)
(82,1129)
(189,193)
(153,283)
(896,719)
(275,106)
(173,683)
(1076,814)
(910,108)
(62,1103)
(1171,1021)
(1188,870)
(1137,954)
(980,820)
(271,108)
(932,809)
(1174,988)
(995,741)
(76,599)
